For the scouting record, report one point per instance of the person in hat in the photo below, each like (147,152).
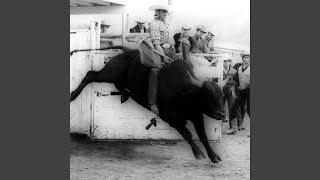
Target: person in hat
(140,27)
(228,85)
(157,51)
(243,105)
(103,42)
(242,92)
(208,44)
(198,39)
(104,26)
(184,38)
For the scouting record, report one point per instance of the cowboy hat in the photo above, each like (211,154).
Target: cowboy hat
(185,26)
(141,20)
(211,30)
(160,7)
(161,4)
(202,28)
(245,53)
(226,57)
(104,23)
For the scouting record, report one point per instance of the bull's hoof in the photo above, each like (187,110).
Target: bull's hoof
(72,96)
(199,155)
(216,159)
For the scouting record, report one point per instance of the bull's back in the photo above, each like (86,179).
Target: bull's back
(116,69)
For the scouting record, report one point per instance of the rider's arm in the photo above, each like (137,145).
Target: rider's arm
(159,48)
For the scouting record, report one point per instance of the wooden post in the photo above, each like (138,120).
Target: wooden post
(123,30)
(93,44)
(92,36)
(98,32)
(127,24)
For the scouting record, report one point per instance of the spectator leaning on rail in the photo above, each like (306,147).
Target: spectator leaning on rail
(242,91)
(208,44)
(157,51)
(140,27)
(198,38)
(183,37)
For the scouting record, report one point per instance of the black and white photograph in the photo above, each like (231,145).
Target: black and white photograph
(160,89)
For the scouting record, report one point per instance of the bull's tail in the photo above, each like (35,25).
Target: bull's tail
(125,49)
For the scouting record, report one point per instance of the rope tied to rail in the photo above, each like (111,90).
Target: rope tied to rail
(113,47)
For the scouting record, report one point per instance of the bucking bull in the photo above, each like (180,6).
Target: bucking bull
(181,96)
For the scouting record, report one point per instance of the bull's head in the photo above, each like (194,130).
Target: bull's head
(211,98)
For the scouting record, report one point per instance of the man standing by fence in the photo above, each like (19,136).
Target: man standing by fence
(242,91)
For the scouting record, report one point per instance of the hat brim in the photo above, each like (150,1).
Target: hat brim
(203,30)
(245,55)
(105,25)
(162,7)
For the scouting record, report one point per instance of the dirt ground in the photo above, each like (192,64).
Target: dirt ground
(120,160)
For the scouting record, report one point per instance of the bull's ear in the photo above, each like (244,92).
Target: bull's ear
(194,81)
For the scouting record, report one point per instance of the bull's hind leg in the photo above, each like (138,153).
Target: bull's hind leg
(199,125)
(91,76)
(112,72)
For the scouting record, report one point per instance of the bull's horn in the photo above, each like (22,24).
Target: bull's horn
(221,84)
(186,53)
(195,81)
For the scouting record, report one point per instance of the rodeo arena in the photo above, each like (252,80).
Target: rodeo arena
(159,89)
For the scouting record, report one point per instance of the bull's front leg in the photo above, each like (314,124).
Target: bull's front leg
(173,119)
(186,134)
(199,125)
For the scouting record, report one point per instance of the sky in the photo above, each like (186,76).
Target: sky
(229,19)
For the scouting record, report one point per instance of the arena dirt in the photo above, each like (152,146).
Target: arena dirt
(160,160)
